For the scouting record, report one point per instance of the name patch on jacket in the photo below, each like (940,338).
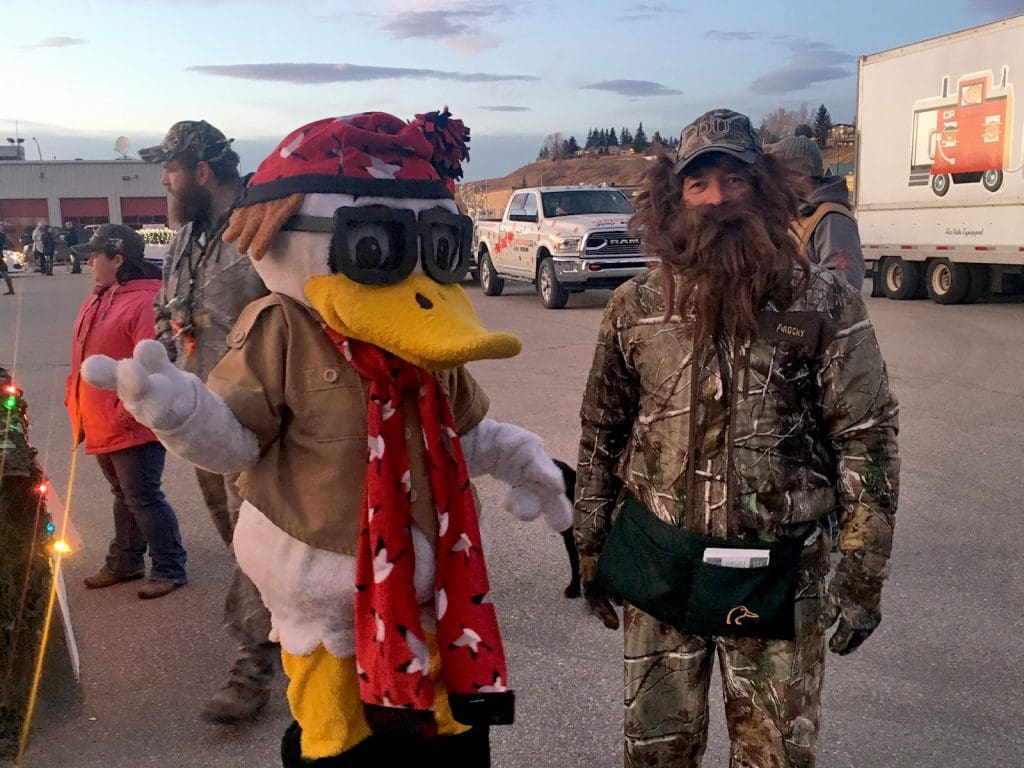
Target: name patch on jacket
(800,328)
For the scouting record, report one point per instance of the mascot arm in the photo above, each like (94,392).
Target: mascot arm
(190,420)
(516,457)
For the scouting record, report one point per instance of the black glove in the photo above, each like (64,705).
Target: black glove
(599,603)
(853,600)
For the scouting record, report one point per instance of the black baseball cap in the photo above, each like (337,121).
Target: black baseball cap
(720,130)
(112,239)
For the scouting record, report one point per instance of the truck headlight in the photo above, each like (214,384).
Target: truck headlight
(567,243)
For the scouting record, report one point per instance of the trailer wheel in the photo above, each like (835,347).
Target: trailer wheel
(553,294)
(901,280)
(940,184)
(947,283)
(490,282)
(981,279)
(992,180)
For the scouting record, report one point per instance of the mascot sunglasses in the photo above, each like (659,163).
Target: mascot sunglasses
(379,245)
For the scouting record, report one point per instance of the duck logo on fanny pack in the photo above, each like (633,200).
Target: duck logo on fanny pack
(736,615)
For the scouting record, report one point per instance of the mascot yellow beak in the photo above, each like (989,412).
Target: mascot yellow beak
(419,320)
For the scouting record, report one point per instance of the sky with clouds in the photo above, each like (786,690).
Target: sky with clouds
(79,73)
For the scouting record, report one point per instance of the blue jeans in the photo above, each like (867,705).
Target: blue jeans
(142,515)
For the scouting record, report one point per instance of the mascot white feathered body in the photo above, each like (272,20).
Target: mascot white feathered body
(344,403)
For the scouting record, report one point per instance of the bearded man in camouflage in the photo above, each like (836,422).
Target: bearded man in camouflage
(206,284)
(737,391)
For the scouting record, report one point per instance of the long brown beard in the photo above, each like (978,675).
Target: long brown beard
(194,203)
(725,265)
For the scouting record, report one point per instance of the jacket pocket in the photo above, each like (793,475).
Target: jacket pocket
(334,403)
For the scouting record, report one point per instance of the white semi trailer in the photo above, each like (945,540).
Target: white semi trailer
(940,165)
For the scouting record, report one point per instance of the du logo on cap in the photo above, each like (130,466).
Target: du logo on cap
(720,130)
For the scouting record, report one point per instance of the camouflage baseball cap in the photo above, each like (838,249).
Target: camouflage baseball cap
(113,239)
(720,130)
(196,139)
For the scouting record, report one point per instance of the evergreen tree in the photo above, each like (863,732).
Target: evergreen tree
(822,125)
(591,138)
(640,142)
(571,147)
(613,140)
(544,154)
(624,137)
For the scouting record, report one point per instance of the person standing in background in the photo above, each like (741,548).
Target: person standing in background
(117,315)
(206,284)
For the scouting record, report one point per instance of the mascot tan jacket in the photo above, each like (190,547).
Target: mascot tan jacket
(322,401)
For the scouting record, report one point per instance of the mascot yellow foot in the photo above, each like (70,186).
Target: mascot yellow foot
(330,729)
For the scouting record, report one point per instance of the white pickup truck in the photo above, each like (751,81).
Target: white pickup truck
(562,239)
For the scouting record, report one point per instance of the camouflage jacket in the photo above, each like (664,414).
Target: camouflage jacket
(812,423)
(193,324)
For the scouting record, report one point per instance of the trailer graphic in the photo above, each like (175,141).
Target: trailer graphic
(964,137)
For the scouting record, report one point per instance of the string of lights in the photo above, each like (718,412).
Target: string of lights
(31,550)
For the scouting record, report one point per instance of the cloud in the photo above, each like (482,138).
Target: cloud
(313,73)
(632,87)
(810,63)
(998,9)
(642,11)
(505,108)
(56,42)
(728,36)
(460,26)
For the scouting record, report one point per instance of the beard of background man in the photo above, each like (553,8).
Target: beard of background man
(193,204)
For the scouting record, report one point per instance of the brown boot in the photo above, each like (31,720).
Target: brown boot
(105,577)
(247,688)
(154,588)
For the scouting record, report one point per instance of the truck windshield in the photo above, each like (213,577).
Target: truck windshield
(585,201)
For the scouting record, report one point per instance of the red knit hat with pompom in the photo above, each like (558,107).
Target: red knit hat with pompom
(369,154)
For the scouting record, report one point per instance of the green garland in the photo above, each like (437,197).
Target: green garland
(25,564)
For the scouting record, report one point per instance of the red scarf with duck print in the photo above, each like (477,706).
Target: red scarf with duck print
(392,658)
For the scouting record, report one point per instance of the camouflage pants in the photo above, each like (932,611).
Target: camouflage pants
(771,687)
(246,619)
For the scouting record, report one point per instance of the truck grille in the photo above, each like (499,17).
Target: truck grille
(601,244)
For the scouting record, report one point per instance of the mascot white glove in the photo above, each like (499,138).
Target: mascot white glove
(517,457)
(156,393)
(190,421)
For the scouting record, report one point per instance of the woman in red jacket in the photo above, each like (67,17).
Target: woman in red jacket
(111,321)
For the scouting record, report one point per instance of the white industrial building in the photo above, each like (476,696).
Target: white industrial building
(80,191)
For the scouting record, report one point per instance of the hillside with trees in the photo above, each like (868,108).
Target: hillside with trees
(619,158)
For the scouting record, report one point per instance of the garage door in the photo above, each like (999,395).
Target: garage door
(85,210)
(136,211)
(18,213)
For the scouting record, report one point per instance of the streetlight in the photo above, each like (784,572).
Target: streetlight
(37,147)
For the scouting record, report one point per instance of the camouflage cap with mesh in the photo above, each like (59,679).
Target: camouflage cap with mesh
(192,140)
(720,130)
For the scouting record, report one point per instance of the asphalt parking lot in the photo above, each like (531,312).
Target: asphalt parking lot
(938,685)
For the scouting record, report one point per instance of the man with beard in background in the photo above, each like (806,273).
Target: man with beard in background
(206,284)
(737,392)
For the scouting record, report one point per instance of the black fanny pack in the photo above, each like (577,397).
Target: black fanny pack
(661,570)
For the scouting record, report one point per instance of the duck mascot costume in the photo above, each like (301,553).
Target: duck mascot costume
(344,402)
